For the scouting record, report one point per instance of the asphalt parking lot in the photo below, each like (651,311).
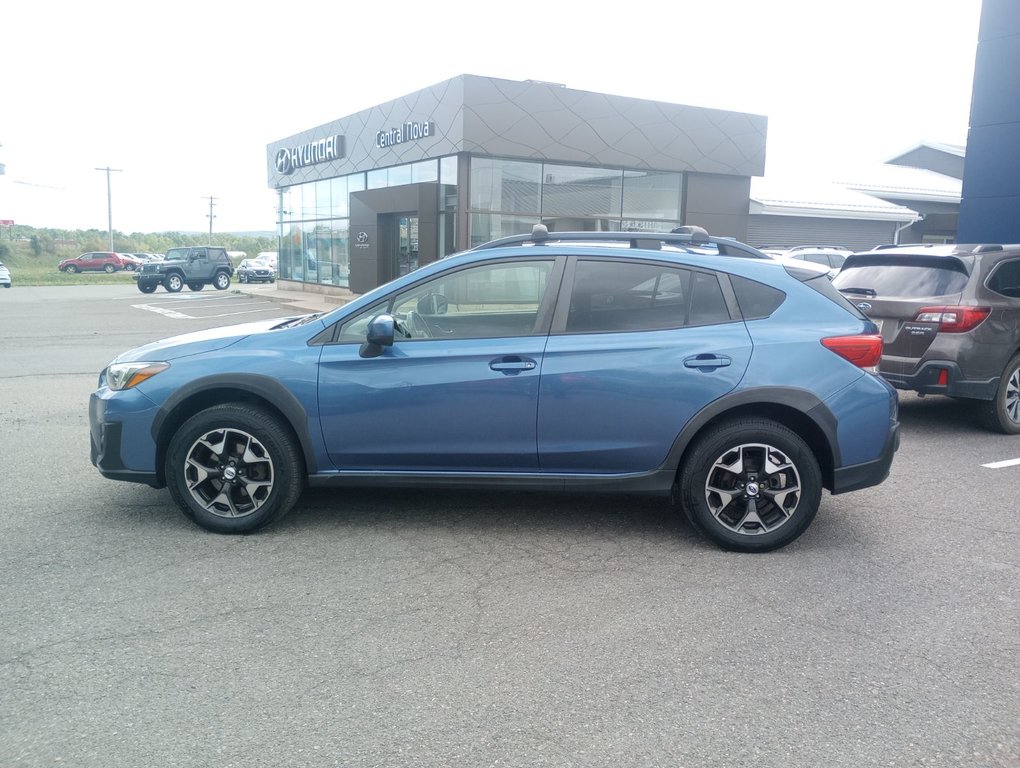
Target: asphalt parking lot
(395,628)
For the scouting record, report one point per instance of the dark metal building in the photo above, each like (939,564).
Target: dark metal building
(370,196)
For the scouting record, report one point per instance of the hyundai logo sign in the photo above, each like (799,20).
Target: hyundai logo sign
(864,306)
(289,159)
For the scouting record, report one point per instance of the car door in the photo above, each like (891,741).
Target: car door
(459,390)
(635,353)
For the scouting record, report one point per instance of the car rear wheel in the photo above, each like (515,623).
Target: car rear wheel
(221,281)
(750,485)
(109,269)
(173,283)
(196,286)
(147,287)
(1002,412)
(234,468)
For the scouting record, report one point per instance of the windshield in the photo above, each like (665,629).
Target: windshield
(176,254)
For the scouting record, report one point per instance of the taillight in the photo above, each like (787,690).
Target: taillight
(864,351)
(953,319)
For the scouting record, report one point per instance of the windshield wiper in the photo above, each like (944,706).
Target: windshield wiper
(862,291)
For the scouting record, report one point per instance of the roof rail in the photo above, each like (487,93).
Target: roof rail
(987,248)
(680,236)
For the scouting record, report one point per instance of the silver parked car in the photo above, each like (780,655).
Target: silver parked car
(5,276)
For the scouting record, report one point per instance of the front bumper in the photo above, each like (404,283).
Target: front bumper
(119,453)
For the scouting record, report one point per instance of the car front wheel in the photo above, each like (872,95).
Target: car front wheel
(72,268)
(1002,413)
(221,281)
(234,468)
(750,485)
(173,283)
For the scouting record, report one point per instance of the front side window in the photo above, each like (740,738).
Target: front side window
(484,301)
(614,296)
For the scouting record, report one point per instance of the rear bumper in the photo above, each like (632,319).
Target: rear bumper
(857,476)
(926,381)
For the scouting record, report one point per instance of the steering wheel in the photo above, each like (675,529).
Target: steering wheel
(416,326)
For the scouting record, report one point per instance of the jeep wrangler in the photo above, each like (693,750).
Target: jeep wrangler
(193,266)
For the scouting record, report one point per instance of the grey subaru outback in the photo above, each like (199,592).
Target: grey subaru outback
(950,321)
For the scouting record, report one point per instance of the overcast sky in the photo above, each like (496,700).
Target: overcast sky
(184,97)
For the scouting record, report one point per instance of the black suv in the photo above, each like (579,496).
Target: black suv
(193,266)
(950,321)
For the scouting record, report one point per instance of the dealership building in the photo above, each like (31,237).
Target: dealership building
(368,197)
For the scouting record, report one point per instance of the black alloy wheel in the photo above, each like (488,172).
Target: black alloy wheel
(750,485)
(234,468)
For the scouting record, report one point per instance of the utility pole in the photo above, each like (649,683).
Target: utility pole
(211,216)
(109,201)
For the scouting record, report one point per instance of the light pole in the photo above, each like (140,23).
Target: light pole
(210,198)
(109,201)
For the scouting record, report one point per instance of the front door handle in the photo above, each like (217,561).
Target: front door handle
(511,365)
(707,362)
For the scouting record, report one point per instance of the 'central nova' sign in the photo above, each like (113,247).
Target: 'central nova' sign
(409,131)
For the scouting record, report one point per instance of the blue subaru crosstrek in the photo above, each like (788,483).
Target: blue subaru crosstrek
(678,364)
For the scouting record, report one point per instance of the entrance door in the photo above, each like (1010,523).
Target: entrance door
(399,242)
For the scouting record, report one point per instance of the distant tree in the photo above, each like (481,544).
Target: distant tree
(35,245)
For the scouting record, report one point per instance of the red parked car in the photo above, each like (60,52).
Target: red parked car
(95,261)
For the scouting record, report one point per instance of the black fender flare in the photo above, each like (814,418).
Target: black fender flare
(761,398)
(264,388)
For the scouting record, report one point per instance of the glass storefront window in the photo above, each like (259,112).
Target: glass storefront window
(427,170)
(398,175)
(652,195)
(492,226)
(448,170)
(505,185)
(323,199)
(376,179)
(341,201)
(576,191)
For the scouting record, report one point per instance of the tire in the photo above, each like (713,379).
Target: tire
(109,269)
(1002,412)
(240,278)
(246,443)
(221,281)
(173,283)
(196,286)
(147,287)
(722,485)
(72,268)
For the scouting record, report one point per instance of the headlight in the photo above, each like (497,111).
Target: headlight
(127,375)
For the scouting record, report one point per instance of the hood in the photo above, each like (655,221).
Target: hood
(198,342)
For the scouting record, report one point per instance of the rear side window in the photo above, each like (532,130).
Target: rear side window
(756,300)
(1006,279)
(613,296)
(902,277)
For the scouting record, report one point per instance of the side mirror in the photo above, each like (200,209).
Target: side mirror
(380,335)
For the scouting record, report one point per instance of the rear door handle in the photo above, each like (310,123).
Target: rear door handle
(707,362)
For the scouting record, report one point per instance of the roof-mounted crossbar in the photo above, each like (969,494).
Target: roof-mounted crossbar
(681,236)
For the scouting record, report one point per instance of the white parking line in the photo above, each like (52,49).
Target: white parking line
(1001,464)
(161,311)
